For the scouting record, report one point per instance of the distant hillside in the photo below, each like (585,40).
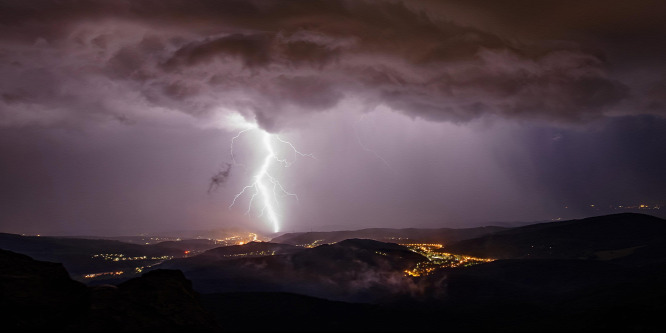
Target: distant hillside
(219,233)
(193,245)
(401,236)
(620,237)
(77,254)
(249,250)
(355,269)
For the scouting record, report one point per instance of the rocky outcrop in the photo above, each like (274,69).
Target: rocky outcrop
(39,295)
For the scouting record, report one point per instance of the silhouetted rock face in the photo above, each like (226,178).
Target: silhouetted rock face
(159,300)
(36,295)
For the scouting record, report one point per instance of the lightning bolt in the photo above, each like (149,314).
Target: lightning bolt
(265,187)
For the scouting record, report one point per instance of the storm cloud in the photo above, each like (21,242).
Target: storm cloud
(69,62)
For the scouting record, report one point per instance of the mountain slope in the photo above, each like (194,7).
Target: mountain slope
(77,254)
(356,269)
(620,237)
(402,236)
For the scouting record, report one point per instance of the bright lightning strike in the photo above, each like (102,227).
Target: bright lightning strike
(265,187)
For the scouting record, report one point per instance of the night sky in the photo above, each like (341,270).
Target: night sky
(116,115)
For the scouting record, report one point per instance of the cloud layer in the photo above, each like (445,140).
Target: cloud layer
(68,62)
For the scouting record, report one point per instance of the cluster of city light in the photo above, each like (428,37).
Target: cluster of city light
(253,254)
(438,260)
(153,240)
(237,239)
(641,206)
(118,257)
(422,269)
(122,257)
(264,186)
(314,243)
(95,275)
(395,238)
(138,270)
(423,248)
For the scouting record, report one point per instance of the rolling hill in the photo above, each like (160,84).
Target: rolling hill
(354,269)
(398,236)
(78,255)
(628,238)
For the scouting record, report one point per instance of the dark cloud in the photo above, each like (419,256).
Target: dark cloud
(283,60)
(219,178)
(253,51)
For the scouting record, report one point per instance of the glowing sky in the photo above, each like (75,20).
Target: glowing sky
(114,115)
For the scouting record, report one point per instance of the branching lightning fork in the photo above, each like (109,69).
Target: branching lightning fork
(265,186)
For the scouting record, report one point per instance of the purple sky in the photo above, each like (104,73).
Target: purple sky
(114,115)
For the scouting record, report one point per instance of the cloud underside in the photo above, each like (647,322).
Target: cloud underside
(276,61)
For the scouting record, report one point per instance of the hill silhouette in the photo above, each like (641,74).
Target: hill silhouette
(356,269)
(29,287)
(250,249)
(628,238)
(38,295)
(233,252)
(400,236)
(77,254)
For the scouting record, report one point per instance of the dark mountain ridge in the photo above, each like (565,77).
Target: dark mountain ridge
(408,235)
(628,237)
(252,248)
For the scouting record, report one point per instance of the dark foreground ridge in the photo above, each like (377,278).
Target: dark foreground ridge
(38,295)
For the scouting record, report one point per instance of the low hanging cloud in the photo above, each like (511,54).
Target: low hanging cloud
(69,62)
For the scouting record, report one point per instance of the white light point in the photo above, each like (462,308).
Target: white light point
(262,177)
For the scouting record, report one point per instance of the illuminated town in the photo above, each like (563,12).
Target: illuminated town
(238,239)
(250,254)
(104,274)
(121,257)
(438,260)
(145,262)
(313,244)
